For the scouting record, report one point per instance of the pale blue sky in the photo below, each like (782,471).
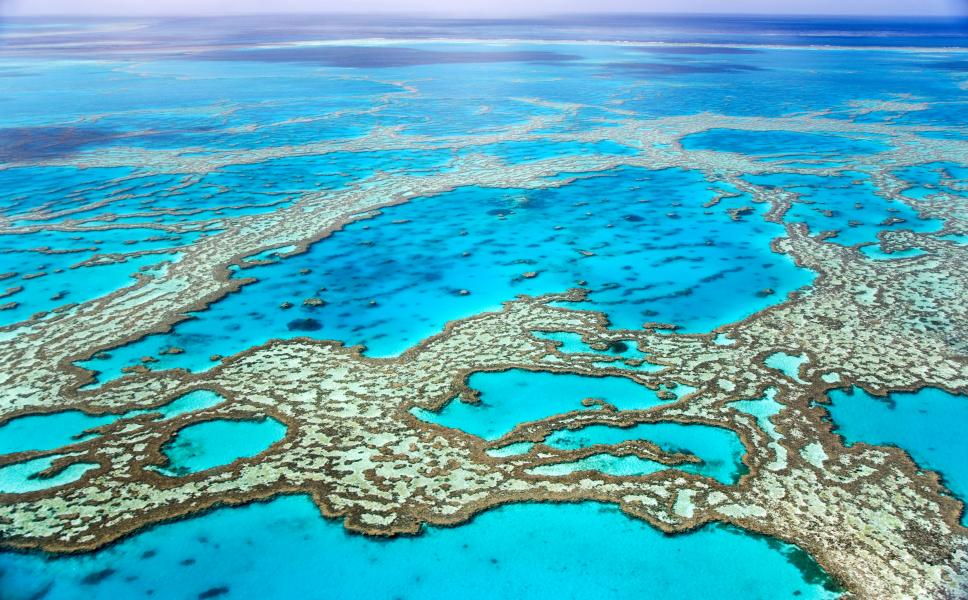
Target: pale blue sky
(490,8)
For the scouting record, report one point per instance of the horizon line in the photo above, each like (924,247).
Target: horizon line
(481,17)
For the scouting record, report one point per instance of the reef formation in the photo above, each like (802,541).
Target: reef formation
(872,518)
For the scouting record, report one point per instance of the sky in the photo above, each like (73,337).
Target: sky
(483,8)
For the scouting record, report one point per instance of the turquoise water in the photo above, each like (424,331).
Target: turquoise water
(829,150)
(212,131)
(720,449)
(523,152)
(508,398)
(54,430)
(846,204)
(788,364)
(46,290)
(621,354)
(215,443)
(152,200)
(21,477)
(876,253)
(763,409)
(928,424)
(190,402)
(29,188)
(46,432)
(960,239)
(696,268)
(285,549)
(610,464)
(572,343)
(933,178)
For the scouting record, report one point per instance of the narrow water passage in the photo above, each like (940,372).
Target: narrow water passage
(720,449)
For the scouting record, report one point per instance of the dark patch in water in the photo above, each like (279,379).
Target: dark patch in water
(37,143)
(500,212)
(214,592)
(647,68)
(97,576)
(948,65)
(740,471)
(633,218)
(618,347)
(304,325)
(811,572)
(42,592)
(372,57)
(889,400)
(695,50)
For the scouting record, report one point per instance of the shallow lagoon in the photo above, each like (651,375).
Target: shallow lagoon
(508,398)
(845,203)
(285,549)
(785,145)
(720,449)
(22,477)
(639,241)
(928,424)
(55,430)
(231,190)
(44,291)
(210,444)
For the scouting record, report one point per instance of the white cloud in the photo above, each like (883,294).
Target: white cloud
(492,8)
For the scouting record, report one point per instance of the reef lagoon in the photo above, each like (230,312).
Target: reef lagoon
(372,307)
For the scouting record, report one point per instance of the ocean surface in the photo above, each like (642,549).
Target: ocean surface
(94,115)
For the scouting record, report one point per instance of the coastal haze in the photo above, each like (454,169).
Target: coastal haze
(487,8)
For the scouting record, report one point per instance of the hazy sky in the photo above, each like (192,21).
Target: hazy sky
(492,8)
